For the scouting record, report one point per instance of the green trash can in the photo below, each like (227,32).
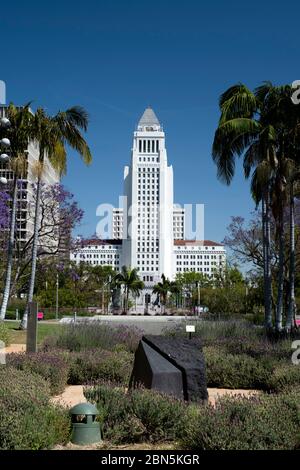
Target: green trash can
(85,428)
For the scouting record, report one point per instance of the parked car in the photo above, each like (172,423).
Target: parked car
(40,316)
(201,309)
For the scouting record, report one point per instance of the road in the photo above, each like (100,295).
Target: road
(149,324)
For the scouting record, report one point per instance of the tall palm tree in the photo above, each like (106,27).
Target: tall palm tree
(19,136)
(162,289)
(261,126)
(129,279)
(52,135)
(243,131)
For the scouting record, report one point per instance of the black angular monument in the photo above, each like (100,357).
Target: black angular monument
(174,366)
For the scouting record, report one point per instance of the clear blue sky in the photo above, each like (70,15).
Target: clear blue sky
(115,57)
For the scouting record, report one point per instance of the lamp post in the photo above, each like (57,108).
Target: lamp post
(4,144)
(56,306)
(198,288)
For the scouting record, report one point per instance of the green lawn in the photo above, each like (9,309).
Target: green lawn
(19,336)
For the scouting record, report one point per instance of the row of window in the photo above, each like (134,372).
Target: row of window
(201,270)
(148,146)
(147,170)
(198,256)
(194,263)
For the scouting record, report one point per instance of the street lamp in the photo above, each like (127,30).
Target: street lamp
(5,144)
(56,306)
(199,303)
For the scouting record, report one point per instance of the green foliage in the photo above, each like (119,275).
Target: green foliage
(80,286)
(52,367)
(240,355)
(27,420)
(235,371)
(94,365)
(263,423)
(141,415)
(4,333)
(285,377)
(90,335)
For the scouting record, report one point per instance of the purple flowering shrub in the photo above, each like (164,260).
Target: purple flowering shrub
(96,365)
(53,367)
(139,416)
(267,422)
(27,420)
(90,335)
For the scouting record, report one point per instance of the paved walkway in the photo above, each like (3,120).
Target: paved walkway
(15,348)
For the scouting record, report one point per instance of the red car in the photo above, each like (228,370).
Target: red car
(40,316)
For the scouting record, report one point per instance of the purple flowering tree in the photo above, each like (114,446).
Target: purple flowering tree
(59,215)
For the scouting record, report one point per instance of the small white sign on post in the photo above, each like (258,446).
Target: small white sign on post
(190,328)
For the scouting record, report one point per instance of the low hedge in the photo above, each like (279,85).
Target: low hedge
(234,371)
(139,416)
(92,366)
(27,420)
(52,367)
(265,423)
(88,335)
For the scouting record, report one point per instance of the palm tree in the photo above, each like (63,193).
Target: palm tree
(243,131)
(162,289)
(261,125)
(52,135)
(19,137)
(129,279)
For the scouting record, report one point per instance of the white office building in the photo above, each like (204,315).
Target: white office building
(149,232)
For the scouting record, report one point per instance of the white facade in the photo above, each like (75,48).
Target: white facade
(154,241)
(178,223)
(99,252)
(202,257)
(148,186)
(117,223)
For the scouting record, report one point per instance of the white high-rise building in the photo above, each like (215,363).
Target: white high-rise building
(148,232)
(117,223)
(148,186)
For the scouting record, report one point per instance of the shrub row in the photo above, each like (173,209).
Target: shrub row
(90,335)
(59,367)
(242,371)
(98,365)
(52,367)
(141,415)
(27,420)
(267,422)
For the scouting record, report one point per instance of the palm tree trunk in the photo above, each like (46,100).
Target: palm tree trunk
(127,300)
(279,309)
(23,324)
(263,220)
(268,274)
(10,251)
(291,306)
